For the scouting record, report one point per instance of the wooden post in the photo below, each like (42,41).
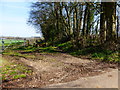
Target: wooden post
(24,42)
(2,45)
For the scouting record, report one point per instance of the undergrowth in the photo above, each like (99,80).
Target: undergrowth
(95,52)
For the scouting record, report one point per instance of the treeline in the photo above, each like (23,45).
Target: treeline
(10,37)
(83,23)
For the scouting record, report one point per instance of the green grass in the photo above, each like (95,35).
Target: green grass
(94,52)
(49,49)
(112,57)
(26,48)
(99,54)
(10,42)
(13,53)
(19,76)
(11,70)
(66,47)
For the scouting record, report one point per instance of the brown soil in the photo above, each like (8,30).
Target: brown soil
(53,68)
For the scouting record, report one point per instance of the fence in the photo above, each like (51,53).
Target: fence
(7,43)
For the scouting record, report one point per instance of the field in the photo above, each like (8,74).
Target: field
(8,42)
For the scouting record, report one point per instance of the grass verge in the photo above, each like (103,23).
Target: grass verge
(11,70)
(94,52)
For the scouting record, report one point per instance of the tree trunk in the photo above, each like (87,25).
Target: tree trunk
(85,21)
(110,12)
(102,24)
(118,26)
(110,16)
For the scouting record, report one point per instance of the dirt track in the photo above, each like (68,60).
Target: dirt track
(106,80)
(61,68)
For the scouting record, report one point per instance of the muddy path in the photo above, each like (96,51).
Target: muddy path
(54,68)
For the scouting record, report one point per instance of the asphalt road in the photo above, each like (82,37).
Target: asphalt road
(106,80)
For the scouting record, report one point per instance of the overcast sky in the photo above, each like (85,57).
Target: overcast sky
(13,18)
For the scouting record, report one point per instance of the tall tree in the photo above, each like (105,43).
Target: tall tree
(110,13)
(102,23)
(64,21)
